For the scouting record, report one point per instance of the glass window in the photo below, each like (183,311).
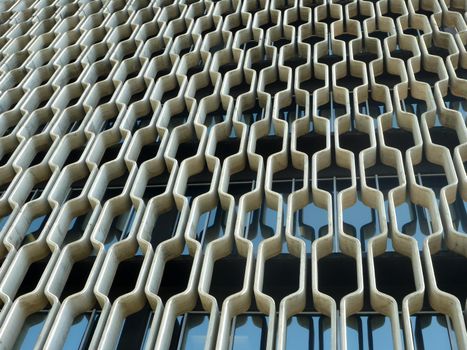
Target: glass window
(385,184)
(260,224)
(31,330)
(459,214)
(135,329)
(380,336)
(456,103)
(35,229)
(196,329)
(165,226)
(308,331)
(81,331)
(77,227)
(190,331)
(4,220)
(291,113)
(431,331)
(120,227)
(211,225)
(413,220)
(361,221)
(369,332)
(250,332)
(310,223)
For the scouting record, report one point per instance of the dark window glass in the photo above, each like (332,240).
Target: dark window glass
(77,227)
(4,220)
(459,214)
(134,330)
(165,226)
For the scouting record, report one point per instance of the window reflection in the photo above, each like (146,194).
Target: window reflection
(77,227)
(308,331)
(386,184)
(361,221)
(211,225)
(31,330)
(431,331)
(4,220)
(35,229)
(260,224)
(459,214)
(365,331)
(250,332)
(120,227)
(196,329)
(381,336)
(369,332)
(81,331)
(190,331)
(412,220)
(165,226)
(135,328)
(310,223)
(291,113)
(456,103)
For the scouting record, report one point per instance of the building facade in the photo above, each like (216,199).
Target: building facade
(268,174)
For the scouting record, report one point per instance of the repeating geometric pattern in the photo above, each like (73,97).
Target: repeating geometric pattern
(137,136)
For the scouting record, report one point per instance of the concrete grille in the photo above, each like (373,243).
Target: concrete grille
(169,158)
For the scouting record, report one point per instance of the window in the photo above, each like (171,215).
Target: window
(135,329)
(372,331)
(211,225)
(413,220)
(80,334)
(433,331)
(361,221)
(31,330)
(190,331)
(120,227)
(308,331)
(249,332)
(35,229)
(310,222)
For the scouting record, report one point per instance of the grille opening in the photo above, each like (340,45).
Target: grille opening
(125,278)
(337,265)
(175,278)
(225,284)
(281,276)
(394,275)
(33,275)
(78,277)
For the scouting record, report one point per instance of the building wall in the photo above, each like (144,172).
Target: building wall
(180,174)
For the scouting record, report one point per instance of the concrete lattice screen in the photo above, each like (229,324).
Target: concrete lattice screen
(221,157)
